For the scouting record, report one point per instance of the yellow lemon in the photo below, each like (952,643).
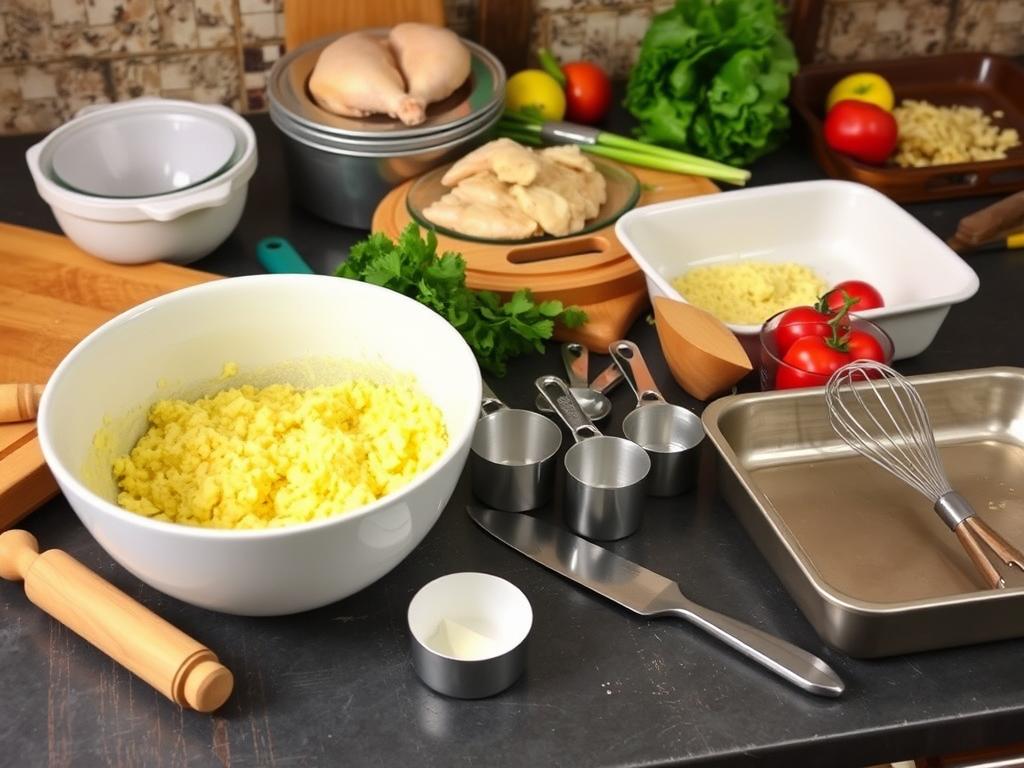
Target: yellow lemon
(535,89)
(862,86)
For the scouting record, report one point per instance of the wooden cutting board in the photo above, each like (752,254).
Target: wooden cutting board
(599,275)
(51,296)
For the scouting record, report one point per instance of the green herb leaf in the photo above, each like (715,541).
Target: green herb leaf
(496,331)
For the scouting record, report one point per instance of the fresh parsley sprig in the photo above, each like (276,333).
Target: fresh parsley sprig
(495,330)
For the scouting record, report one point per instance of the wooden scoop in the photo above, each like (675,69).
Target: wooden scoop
(165,657)
(705,357)
(19,402)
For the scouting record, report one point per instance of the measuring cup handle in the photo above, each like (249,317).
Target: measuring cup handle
(607,380)
(627,357)
(576,359)
(489,403)
(554,390)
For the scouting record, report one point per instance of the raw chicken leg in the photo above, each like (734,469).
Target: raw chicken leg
(356,76)
(433,60)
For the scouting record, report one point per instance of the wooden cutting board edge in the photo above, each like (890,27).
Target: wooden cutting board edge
(612,295)
(25,480)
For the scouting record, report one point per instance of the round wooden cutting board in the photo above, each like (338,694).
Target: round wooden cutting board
(593,270)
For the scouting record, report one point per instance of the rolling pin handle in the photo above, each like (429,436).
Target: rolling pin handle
(207,686)
(19,402)
(181,668)
(18,550)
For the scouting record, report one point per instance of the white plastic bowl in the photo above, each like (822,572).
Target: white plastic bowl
(179,227)
(186,337)
(141,155)
(840,229)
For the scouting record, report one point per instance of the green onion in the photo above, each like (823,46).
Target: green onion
(614,147)
(550,65)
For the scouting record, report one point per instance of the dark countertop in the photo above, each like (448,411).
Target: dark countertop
(336,687)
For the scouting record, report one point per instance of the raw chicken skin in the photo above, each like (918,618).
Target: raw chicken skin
(480,219)
(511,162)
(484,188)
(433,59)
(568,155)
(547,208)
(506,191)
(356,76)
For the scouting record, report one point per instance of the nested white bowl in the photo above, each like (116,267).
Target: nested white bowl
(173,344)
(181,226)
(840,229)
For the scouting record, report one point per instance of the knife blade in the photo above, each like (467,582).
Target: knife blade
(650,594)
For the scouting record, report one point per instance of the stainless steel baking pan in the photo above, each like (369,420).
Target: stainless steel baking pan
(873,568)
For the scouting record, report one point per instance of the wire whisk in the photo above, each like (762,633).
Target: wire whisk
(880,415)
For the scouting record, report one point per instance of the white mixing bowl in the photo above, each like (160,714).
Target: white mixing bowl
(181,226)
(170,345)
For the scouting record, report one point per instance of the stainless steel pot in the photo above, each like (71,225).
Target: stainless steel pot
(340,168)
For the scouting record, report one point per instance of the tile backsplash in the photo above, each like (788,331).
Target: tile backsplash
(57,56)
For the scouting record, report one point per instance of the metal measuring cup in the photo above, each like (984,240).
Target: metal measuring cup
(669,433)
(512,456)
(604,487)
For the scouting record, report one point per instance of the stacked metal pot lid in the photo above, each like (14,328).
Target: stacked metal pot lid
(474,106)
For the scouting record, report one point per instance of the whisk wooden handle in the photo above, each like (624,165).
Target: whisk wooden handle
(978,557)
(162,655)
(19,402)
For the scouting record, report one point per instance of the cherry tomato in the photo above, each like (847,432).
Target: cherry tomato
(866,294)
(799,322)
(861,345)
(809,363)
(861,130)
(588,92)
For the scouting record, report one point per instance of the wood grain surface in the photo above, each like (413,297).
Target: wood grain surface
(52,295)
(306,20)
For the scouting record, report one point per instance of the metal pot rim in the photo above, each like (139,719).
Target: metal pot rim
(329,142)
(383,152)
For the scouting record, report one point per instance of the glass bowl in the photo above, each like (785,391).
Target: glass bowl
(623,191)
(143,154)
(772,364)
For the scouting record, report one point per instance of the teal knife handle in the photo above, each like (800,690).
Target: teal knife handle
(279,257)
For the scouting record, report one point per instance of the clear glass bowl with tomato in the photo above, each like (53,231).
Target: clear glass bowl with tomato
(809,359)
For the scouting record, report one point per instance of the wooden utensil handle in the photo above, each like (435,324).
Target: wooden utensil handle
(19,402)
(162,655)
(966,536)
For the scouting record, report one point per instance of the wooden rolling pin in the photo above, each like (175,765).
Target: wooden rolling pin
(19,402)
(165,657)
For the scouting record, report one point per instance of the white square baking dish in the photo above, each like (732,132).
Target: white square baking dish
(840,229)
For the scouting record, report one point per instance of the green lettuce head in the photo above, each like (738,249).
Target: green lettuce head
(712,79)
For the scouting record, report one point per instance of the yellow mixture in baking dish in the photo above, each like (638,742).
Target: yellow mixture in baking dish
(749,292)
(258,458)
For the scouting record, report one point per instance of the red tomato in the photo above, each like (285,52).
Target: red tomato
(861,130)
(866,294)
(809,363)
(861,345)
(588,92)
(799,322)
